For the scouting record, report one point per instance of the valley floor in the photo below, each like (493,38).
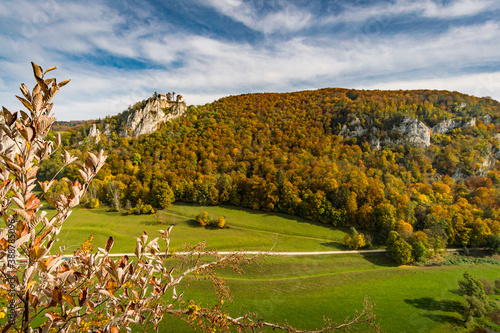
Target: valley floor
(299,289)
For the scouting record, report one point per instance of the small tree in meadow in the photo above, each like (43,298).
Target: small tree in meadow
(477,303)
(221,222)
(354,240)
(203,219)
(399,249)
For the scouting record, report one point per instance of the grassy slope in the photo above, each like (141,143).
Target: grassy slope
(248,230)
(300,289)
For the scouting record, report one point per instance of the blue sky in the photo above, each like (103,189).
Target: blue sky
(119,52)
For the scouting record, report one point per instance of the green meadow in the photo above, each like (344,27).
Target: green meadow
(299,289)
(248,230)
(304,289)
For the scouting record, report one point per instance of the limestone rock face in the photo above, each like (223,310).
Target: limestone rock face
(487,119)
(450,124)
(107,131)
(414,132)
(156,112)
(471,123)
(353,129)
(446,126)
(95,133)
(358,131)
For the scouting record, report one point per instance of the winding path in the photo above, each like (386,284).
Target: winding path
(305,253)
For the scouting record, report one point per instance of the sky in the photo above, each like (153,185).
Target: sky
(119,52)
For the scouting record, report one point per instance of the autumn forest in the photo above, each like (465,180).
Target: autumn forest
(332,155)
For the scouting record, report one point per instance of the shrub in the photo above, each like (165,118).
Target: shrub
(93,203)
(203,219)
(141,208)
(221,222)
(419,251)
(399,249)
(492,243)
(354,240)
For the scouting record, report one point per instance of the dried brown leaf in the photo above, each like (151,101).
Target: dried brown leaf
(63,83)
(37,70)
(69,299)
(111,286)
(83,297)
(50,69)
(26,103)
(57,295)
(109,243)
(25,91)
(37,102)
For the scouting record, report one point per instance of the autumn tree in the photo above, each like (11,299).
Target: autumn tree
(399,248)
(477,303)
(353,239)
(203,219)
(161,194)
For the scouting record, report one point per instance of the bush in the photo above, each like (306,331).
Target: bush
(399,249)
(492,243)
(93,203)
(203,219)
(354,240)
(147,209)
(141,208)
(419,251)
(221,222)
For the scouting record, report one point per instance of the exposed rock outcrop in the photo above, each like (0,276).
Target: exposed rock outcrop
(107,131)
(470,123)
(353,129)
(156,112)
(451,124)
(358,131)
(414,132)
(446,126)
(95,133)
(487,119)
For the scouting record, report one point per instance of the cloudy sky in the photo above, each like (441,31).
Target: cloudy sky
(118,52)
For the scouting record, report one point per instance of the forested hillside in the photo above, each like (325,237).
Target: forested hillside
(376,160)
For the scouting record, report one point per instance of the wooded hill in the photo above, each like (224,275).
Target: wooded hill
(377,160)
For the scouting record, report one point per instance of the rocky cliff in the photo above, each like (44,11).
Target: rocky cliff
(414,132)
(409,130)
(144,118)
(156,112)
(95,133)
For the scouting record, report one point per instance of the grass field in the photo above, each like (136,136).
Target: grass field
(248,230)
(408,299)
(298,289)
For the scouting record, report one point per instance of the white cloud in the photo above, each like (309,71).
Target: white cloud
(384,13)
(457,8)
(214,68)
(288,19)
